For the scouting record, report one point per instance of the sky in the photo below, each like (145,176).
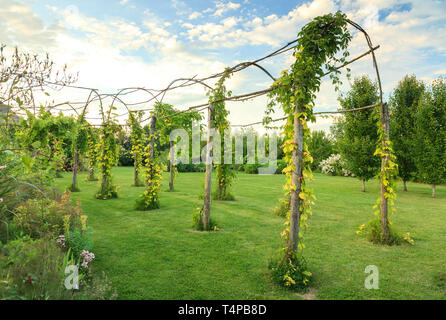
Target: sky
(116,44)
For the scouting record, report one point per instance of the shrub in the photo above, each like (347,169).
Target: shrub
(334,165)
(32,269)
(290,271)
(77,242)
(40,217)
(191,167)
(373,233)
(251,168)
(281,164)
(283,209)
(197,222)
(107,191)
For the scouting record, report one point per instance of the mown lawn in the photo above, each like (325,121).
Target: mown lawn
(157,255)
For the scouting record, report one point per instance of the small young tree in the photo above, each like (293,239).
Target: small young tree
(431,135)
(403,106)
(357,131)
(320,147)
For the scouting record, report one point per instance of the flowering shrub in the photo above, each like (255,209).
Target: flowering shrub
(61,240)
(39,217)
(334,165)
(86,258)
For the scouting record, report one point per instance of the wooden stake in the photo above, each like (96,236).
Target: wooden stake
(171,187)
(384,163)
(296,181)
(75,165)
(208,179)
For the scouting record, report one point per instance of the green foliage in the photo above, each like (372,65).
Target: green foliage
(320,147)
(357,131)
(39,217)
(373,233)
(32,269)
(136,140)
(283,208)
(77,241)
(92,152)
(403,105)
(108,149)
(320,42)
(167,120)
(431,134)
(40,142)
(291,271)
(225,174)
(197,221)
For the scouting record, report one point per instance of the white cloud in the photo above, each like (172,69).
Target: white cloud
(123,2)
(194,15)
(225,7)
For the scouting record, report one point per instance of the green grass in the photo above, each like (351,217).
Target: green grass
(157,255)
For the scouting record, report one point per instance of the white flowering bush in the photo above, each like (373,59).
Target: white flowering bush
(334,165)
(86,257)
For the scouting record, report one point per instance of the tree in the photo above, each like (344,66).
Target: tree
(431,135)
(320,147)
(357,135)
(403,105)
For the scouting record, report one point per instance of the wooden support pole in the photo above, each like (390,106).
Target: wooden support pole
(208,179)
(384,163)
(135,171)
(296,181)
(171,168)
(152,147)
(75,167)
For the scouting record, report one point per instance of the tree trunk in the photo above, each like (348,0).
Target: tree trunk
(296,180)
(384,162)
(363,185)
(208,179)
(434,190)
(171,169)
(75,161)
(405,185)
(135,172)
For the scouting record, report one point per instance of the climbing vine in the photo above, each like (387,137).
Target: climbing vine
(92,153)
(149,200)
(108,149)
(136,140)
(319,43)
(225,174)
(387,178)
(79,147)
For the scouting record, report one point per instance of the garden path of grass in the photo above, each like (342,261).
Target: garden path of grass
(157,255)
